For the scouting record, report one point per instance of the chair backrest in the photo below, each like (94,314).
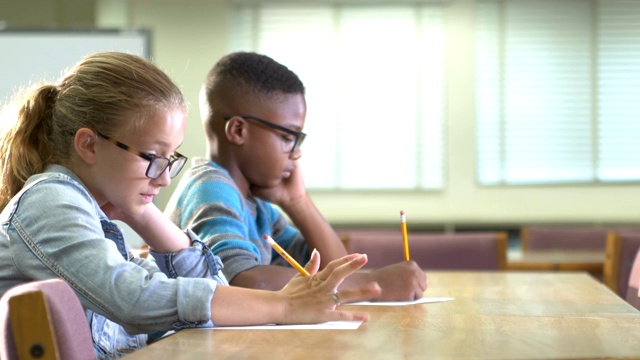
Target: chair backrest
(561,237)
(621,251)
(432,251)
(44,320)
(632,296)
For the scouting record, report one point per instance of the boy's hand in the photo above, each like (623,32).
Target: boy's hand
(289,191)
(403,281)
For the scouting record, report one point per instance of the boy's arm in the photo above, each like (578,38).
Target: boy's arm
(315,229)
(293,199)
(265,277)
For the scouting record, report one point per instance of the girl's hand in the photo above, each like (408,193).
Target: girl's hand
(311,298)
(153,227)
(114,213)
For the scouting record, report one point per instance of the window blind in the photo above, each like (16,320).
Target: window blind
(374,79)
(619,90)
(555,91)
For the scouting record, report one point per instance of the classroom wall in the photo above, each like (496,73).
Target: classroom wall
(190,35)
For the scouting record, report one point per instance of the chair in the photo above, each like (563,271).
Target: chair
(431,251)
(621,251)
(560,237)
(44,320)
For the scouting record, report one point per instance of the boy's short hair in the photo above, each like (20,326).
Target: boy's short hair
(242,72)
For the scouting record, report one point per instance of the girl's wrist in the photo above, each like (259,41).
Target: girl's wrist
(282,307)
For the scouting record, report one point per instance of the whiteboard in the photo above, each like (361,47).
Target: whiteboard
(29,56)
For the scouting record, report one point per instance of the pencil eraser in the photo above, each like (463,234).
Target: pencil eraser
(268,239)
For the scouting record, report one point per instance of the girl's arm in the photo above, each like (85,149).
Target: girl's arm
(154,228)
(305,299)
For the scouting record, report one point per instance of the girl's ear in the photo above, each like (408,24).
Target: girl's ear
(236,130)
(85,145)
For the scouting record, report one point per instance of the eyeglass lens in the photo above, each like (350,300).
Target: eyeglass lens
(158,165)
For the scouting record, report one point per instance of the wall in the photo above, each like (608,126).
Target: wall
(190,35)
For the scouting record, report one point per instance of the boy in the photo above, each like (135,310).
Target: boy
(253,110)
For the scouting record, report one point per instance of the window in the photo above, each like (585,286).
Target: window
(558,91)
(374,79)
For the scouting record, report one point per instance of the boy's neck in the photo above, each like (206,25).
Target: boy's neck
(241,182)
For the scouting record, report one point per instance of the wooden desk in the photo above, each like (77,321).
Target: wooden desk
(506,315)
(591,261)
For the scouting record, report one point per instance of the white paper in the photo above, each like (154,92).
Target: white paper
(402,303)
(331,325)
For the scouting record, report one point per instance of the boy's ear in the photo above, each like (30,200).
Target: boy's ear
(236,130)
(85,145)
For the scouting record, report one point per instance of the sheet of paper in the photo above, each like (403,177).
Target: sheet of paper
(402,303)
(331,325)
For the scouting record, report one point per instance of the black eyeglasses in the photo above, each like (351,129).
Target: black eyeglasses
(299,135)
(157,164)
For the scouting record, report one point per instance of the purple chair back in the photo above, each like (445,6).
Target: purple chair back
(68,319)
(632,295)
(629,245)
(558,237)
(432,251)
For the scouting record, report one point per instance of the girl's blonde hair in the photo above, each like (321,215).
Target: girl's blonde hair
(108,92)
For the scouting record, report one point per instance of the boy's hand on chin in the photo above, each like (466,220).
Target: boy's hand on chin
(286,192)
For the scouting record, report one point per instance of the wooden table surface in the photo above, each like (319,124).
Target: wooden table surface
(495,315)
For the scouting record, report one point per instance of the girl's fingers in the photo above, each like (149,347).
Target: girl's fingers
(314,262)
(335,277)
(346,316)
(368,292)
(330,268)
(319,300)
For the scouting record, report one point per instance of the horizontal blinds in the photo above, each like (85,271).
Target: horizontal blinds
(489,116)
(619,90)
(555,91)
(374,79)
(547,91)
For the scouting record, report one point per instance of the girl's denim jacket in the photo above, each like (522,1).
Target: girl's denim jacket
(55,228)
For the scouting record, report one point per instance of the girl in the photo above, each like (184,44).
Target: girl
(97,147)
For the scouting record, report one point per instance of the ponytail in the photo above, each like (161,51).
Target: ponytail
(25,149)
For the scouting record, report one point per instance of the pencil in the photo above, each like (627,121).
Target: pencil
(405,238)
(284,254)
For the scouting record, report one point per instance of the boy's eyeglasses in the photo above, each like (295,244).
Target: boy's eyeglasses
(299,135)
(157,164)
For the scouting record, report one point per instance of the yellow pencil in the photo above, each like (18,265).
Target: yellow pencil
(405,238)
(284,254)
